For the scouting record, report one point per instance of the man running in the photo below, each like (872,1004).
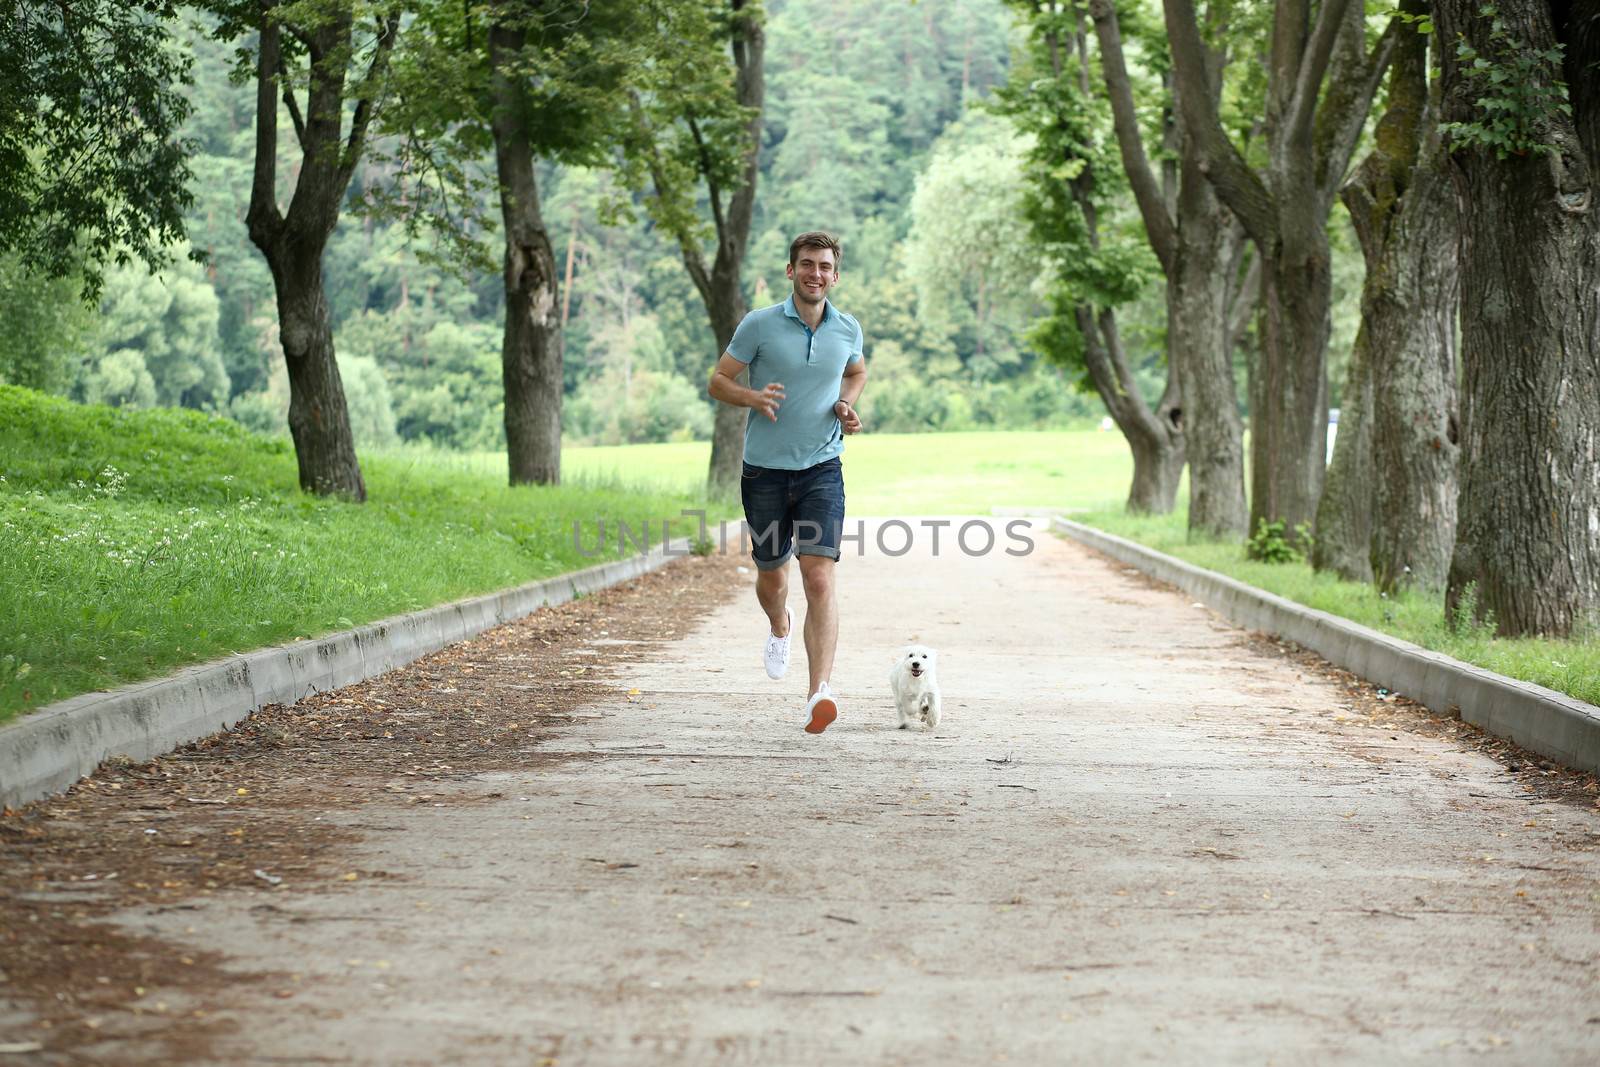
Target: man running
(806,374)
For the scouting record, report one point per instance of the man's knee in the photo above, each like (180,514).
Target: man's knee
(817,576)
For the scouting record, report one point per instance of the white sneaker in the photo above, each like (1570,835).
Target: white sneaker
(821,710)
(776,655)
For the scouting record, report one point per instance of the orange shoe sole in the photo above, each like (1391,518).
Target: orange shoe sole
(822,716)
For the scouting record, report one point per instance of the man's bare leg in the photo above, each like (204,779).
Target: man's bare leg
(822,617)
(772,590)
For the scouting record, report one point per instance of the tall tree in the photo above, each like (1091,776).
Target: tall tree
(346,64)
(1522,105)
(92,167)
(1197,241)
(699,128)
(1321,77)
(539,82)
(1096,270)
(1388,512)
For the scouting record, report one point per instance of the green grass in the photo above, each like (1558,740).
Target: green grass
(1571,667)
(134,543)
(902,474)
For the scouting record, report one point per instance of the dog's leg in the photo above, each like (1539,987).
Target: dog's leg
(931,715)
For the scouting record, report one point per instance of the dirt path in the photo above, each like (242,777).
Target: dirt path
(602,838)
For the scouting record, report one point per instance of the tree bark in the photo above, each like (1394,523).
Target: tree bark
(1199,344)
(530,352)
(1529,506)
(1401,204)
(292,242)
(1154,437)
(1195,241)
(1343,541)
(722,288)
(1311,132)
(1416,421)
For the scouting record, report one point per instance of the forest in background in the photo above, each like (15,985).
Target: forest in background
(876,128)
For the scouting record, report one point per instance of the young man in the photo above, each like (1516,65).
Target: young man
(806,373)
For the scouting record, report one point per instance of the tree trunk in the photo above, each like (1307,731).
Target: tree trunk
(1529,506)
(292,242)
(1320,82)
(1388,511)
(1343,542)
(1416,423)
(1154,437)
(1289,412)
(1199,344)
(319,420)
(1196,240)
(726,307)
(530,352)
(722,290)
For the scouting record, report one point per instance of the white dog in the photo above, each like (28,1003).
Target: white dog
(916,689)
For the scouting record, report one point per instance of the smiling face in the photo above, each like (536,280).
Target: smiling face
(813,272)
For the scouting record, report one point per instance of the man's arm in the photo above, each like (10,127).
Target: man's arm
(726,388)
(850,387)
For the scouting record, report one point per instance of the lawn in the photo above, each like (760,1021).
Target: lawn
(902,474)
(135,543)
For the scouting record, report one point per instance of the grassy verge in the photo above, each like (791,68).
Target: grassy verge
(134,543)
(1571,667)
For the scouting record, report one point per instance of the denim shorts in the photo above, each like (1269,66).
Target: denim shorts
(793,512)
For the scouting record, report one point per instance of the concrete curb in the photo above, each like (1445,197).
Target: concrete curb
(1539,719)
(48,750)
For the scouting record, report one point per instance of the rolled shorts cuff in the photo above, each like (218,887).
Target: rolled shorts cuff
(771,564)
(817,550)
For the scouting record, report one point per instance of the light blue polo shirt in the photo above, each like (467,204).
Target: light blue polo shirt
(779,347)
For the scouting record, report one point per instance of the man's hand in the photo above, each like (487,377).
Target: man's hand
(849,421)
(768,399)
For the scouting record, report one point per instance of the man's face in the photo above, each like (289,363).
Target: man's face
(813,273)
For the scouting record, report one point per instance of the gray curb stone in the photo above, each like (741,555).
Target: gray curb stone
(1541,720)
(46,751)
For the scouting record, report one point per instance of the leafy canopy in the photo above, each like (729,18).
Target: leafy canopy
(93,164)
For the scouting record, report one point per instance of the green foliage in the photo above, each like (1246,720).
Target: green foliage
(89,136)
(158,341)
(136,542)
(46,323)
(1519,91)
(970,252)
(686,128)
(1096,259)
(619,408)
(1269,544)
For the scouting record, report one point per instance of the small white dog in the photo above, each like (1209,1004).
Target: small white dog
(916,688)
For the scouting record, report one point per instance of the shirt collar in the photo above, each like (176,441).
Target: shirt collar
(794,313)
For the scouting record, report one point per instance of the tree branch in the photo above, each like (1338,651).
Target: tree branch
(749,51)
(290,102)
(1237,185)
(1313,65)
(263,217)
(388,31)
(693,261)
(1343,114)
(707,172)
(1158,222)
